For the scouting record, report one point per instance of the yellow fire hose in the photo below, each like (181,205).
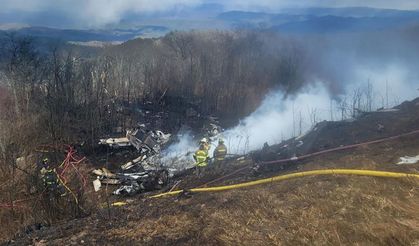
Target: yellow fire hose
(296,175)
(67,188)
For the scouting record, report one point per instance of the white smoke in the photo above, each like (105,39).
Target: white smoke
(179,155)
(277,118)
(281,117)
(92,13)
(390,84)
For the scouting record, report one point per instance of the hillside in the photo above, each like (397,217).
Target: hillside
(76,35)
(304,211)
(323,20)
(209,122)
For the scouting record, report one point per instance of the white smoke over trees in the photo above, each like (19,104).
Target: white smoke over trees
(91,13)
(280,117)
(277,118)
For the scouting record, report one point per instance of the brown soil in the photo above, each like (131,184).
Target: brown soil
(318,210)
(322,210)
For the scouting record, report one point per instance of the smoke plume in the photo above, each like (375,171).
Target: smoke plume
(345,75)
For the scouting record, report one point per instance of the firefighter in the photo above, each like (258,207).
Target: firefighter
(50,179)
(201,157)
(220,153)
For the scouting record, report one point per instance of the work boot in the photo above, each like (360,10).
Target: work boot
(185,194)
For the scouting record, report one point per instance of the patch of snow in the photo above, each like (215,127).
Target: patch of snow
(408,160)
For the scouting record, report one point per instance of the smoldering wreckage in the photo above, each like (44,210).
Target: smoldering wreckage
(142,173)
(153,170)
(150,170)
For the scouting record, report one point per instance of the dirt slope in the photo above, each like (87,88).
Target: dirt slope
(320,210)
(368,126)
(323,210)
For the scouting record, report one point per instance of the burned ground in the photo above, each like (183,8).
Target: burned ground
(319,210)
(366,127)
(314,210)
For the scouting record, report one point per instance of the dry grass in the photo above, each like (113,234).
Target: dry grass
(14,217)
(309,211)
(318,210)
(35,207)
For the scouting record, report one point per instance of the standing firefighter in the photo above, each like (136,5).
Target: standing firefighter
(50,179)
(220,153)
(201,156)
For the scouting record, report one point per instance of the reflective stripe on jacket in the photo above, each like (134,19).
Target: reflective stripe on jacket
(50,177)
(201,157)
(220,152)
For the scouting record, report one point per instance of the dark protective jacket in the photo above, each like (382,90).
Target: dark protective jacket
(50,178)
(220,152)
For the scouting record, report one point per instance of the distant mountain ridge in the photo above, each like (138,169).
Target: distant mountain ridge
(111,35)
(328,24)
(352,12)
(211,16)
(323,20)
(356,12)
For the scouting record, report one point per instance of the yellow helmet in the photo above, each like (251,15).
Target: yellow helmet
(204,140)
(45,162)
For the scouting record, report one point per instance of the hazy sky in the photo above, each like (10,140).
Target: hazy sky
(100,12)
(276,4)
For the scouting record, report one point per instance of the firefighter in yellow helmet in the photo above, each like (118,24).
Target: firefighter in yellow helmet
(201,156)
(220,153)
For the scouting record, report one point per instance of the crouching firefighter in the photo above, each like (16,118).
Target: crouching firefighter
(51,180)
(220,153)
(201,157)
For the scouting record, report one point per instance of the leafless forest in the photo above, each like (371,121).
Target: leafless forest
(59,94)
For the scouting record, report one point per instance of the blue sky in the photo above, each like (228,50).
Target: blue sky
(94,13)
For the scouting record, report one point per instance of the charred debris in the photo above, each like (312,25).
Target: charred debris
(148,169)
(142,165)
